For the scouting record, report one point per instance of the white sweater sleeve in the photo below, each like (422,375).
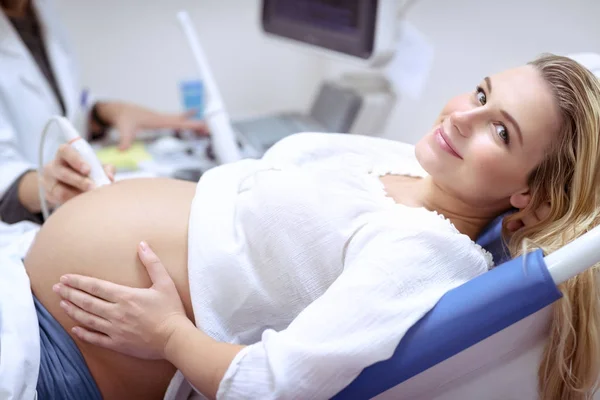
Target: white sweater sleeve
(391,279)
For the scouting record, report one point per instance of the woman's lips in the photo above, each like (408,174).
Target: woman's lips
(445,143)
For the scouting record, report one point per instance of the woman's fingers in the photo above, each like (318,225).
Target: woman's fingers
(156,270)
(84,301)
(94,338)
(543,211)
(529,219)
(98,288)
(514,225)
(85,318)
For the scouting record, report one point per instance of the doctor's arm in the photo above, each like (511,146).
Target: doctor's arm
(385,288)
(128,119)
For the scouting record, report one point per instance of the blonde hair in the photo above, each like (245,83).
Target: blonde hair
(568,180)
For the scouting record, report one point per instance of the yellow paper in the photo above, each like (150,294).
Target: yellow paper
(124,160)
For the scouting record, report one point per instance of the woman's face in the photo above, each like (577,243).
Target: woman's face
(485,143)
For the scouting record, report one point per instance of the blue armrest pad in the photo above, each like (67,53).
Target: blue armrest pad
(463,317)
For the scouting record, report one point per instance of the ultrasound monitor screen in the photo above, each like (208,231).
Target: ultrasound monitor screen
(346,26)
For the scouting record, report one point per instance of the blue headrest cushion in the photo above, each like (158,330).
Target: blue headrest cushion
(491,240)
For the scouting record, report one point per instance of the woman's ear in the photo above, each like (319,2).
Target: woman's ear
(520,200)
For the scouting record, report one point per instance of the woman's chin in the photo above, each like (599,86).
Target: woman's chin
(430,157)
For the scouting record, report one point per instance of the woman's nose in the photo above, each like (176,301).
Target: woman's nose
(464,121)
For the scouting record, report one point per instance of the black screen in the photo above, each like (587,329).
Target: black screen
(333,15)
(346,26)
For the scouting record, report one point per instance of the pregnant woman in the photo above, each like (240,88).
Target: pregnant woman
(303,268)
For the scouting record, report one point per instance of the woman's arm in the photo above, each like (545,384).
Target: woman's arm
(202,360)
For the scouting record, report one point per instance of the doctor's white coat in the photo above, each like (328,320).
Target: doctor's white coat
(26,98)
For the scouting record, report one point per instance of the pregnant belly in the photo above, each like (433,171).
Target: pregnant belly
(97,234)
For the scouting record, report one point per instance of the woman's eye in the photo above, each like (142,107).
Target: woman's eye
(502,133)
(481,97)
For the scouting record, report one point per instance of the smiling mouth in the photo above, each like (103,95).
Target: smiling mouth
(445,143)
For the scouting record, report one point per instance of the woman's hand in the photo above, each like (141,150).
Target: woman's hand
(129,119)
(136,322)
(529,220)
(146,323)
(67,176)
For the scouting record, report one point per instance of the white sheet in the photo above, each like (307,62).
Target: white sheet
(19,332)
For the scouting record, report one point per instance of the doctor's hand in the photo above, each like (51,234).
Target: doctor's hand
(136,322)
(67,176)
(129,119)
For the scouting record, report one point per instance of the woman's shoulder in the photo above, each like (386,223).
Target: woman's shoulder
(305,148)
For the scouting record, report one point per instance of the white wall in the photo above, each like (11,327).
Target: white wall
(134,50)
(475,38)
